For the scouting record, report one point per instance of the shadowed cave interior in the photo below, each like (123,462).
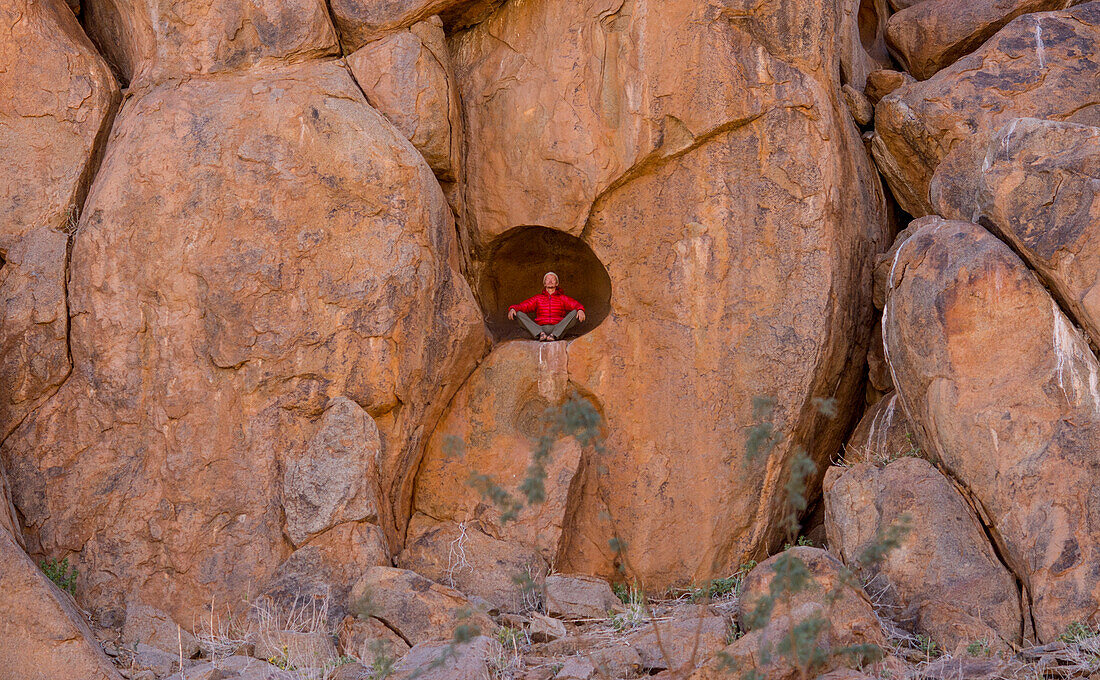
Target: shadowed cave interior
(513,272)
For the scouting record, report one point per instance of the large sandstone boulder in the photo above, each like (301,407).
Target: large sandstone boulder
(721,138)
(1034,66)
(150,40)
(255,247)
(42,635)
(1003,391)
(408,77)
(1037,183)
(943,580)
(419,610)
(933,34)
(57,97)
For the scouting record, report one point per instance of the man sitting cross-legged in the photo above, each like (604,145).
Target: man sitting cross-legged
(554,311)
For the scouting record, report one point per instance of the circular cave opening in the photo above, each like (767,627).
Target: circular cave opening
(513,272)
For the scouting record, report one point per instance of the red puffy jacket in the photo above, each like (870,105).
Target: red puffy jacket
(549,309)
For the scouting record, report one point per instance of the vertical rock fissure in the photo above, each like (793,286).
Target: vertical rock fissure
(336,31)
(80,197)
(997,544)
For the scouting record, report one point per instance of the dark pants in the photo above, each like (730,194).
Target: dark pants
(556,330)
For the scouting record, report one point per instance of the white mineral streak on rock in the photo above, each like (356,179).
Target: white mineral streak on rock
(1071,352)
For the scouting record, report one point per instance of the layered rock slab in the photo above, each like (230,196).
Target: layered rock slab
(1039,65)
(943,580)
(148,41)
(254,247)
(1005,395)
(933,34)
(57,97)
(1036,183)
(723,140)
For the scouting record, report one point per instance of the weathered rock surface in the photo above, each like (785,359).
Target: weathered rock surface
(150,40)
(408,77)
(369,639)
(1037,65)
(550,129)
(42,635)
(882,435)
(943,580)
(1002,390)
(420,610)
(575,596)
(933,34)
(293,250)
(1037,184)
(9,518)
(492,427)
(467,661)
(153,659)
(362,21)
(335,479)
(150,626)
(57,97)
(465,558)
(755,198)
(681,643)
(841,610)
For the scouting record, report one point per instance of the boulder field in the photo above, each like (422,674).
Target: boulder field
(261,408)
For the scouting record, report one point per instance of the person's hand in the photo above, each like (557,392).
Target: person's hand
(511,315)
(580,315)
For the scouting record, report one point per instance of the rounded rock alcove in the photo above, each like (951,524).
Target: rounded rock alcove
(513,270)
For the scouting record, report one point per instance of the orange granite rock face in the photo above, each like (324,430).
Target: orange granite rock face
(1003,392)
(255,246)
(710,166)
(57,97)
(148,41)
(1036,66)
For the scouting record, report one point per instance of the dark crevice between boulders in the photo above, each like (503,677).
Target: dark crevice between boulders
(513,268)
(80,197)
(336,32)
(394,630)
(1027,615)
